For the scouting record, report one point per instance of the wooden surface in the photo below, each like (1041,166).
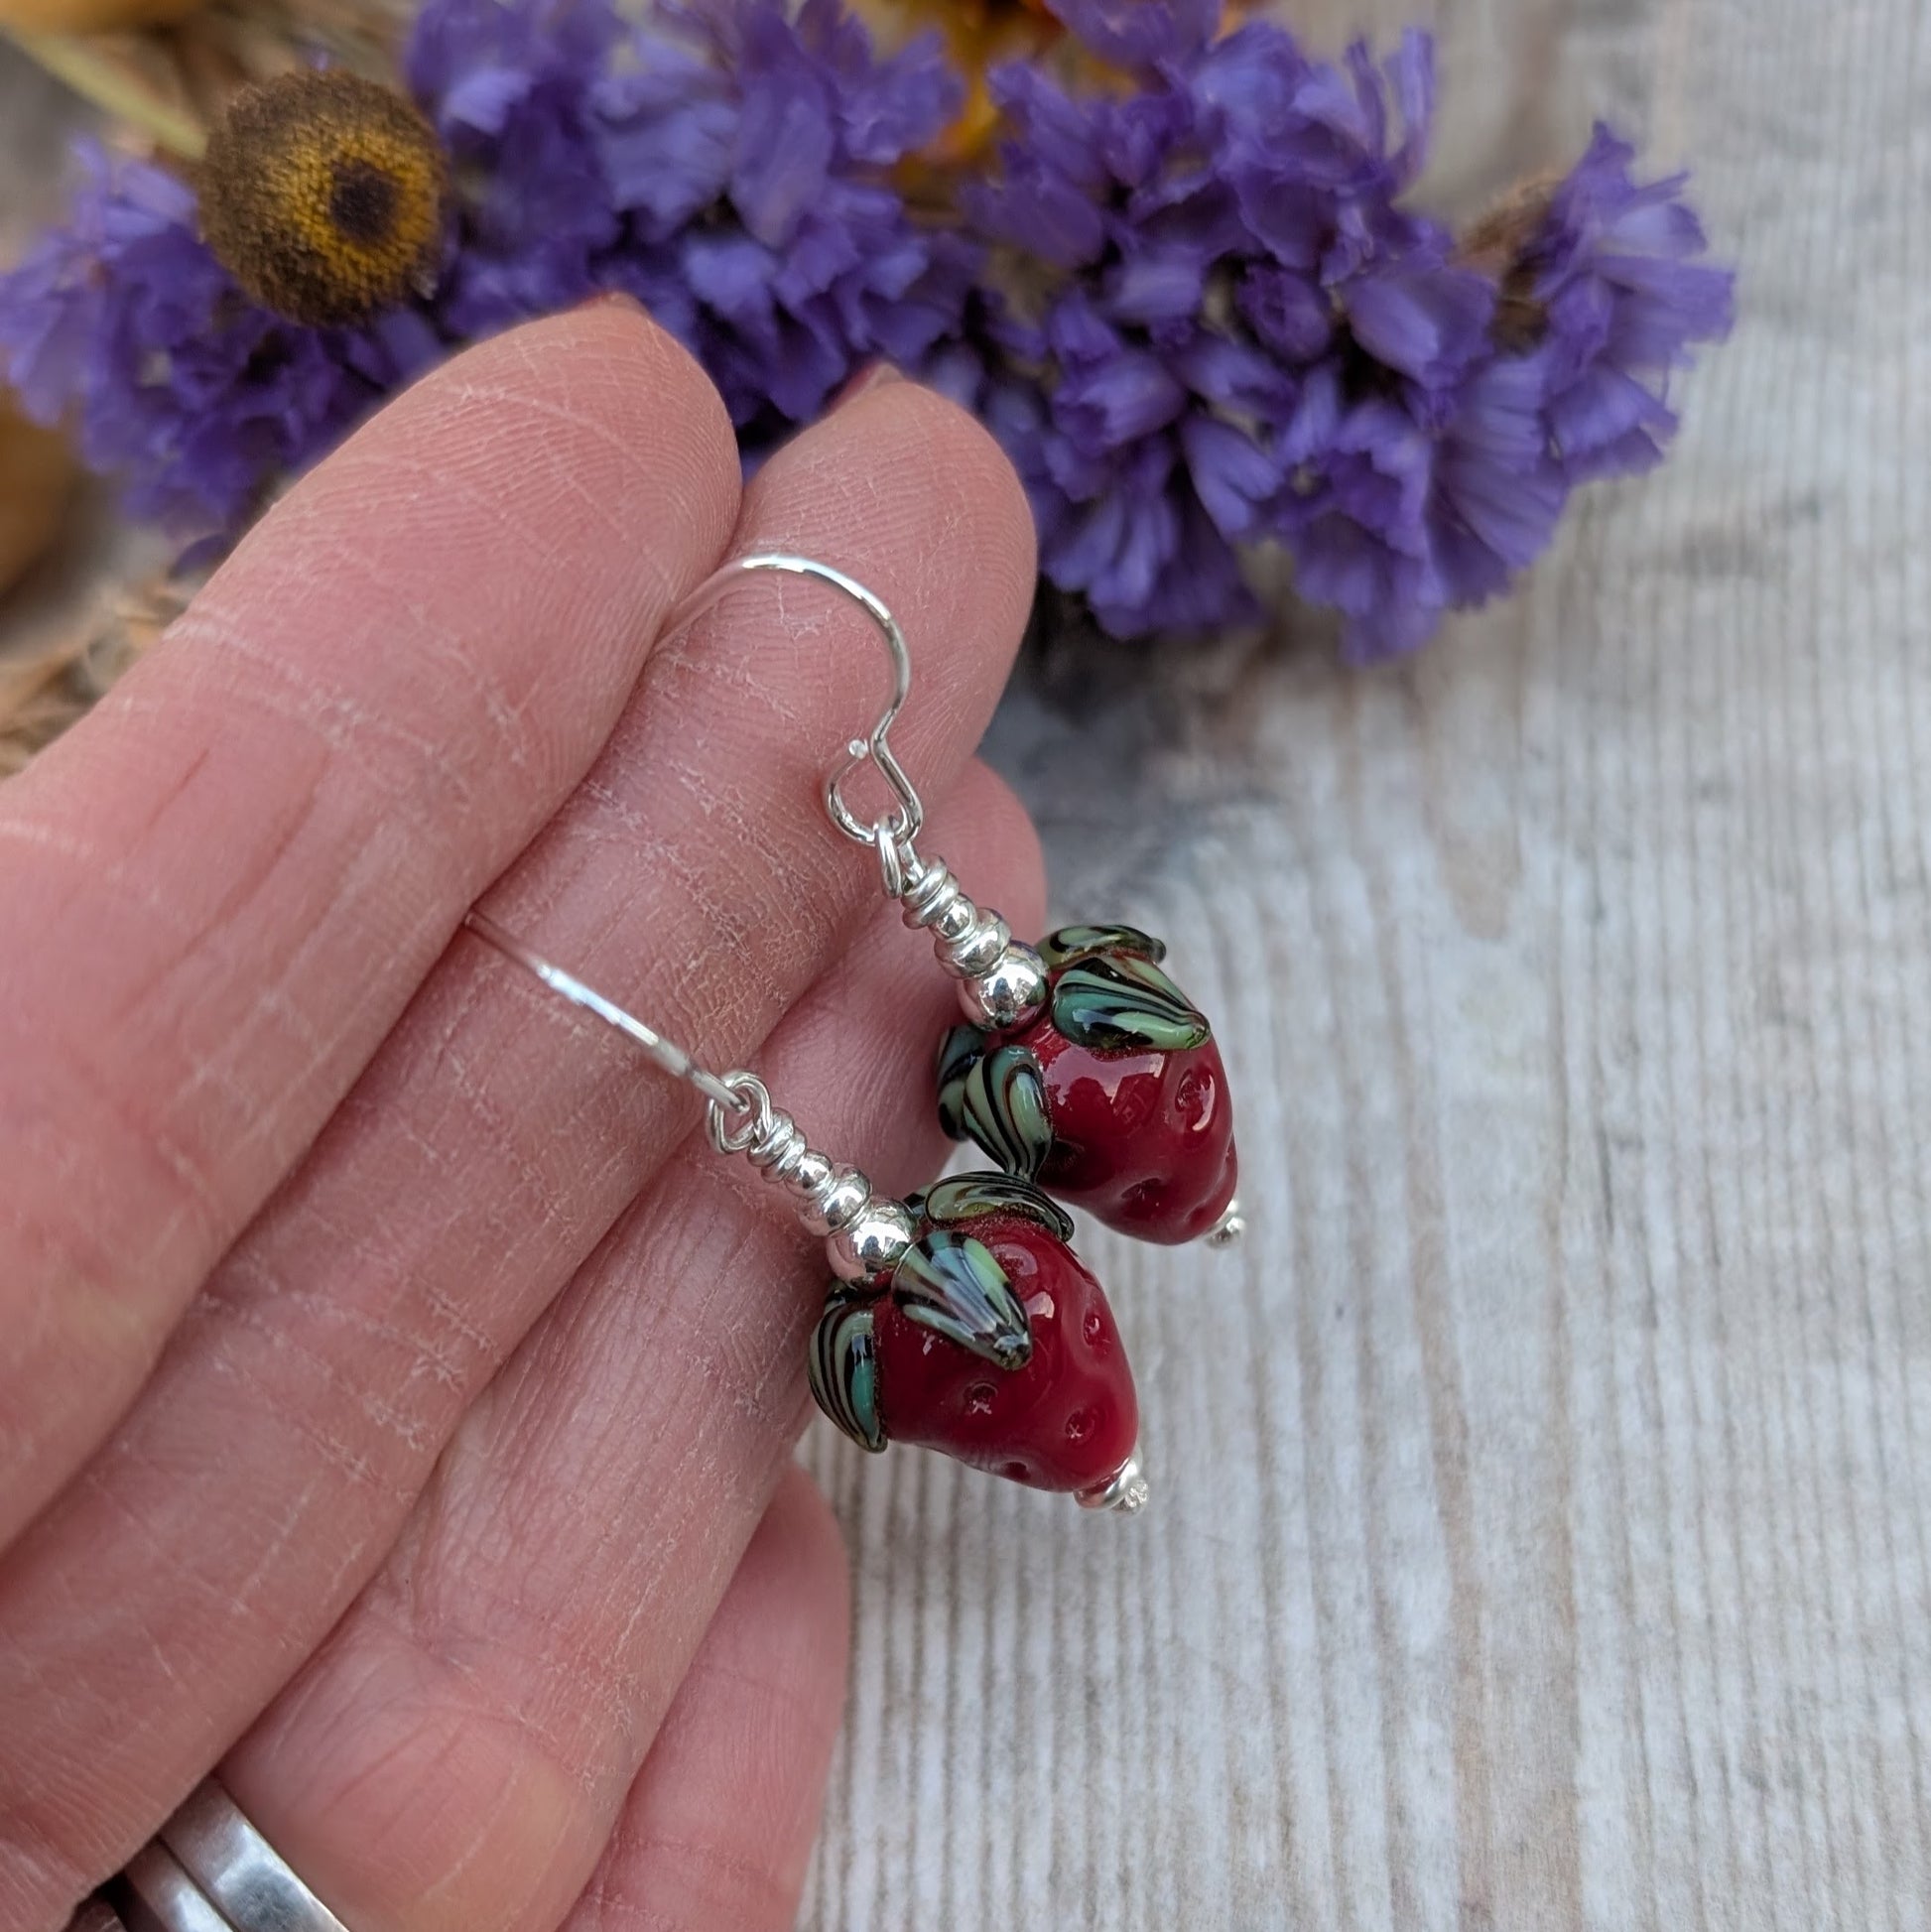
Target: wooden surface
(1542,1532)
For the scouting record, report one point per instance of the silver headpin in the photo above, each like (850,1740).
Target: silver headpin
(1002,981)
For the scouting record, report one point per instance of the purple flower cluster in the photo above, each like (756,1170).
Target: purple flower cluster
(1612,268)
(1195,307)
(729,164)
(176,382)
(1245,338)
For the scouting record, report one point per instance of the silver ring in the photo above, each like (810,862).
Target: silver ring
(157,1895)
(96,1915)
(244,1877)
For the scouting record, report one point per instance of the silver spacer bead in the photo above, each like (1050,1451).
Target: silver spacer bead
(1125,1491)
(840,1204)
(1229,1229)
(870,1245)
(1012,993)
(1004,982)
(864,1236)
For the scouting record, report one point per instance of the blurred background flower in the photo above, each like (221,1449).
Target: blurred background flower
(1170,258)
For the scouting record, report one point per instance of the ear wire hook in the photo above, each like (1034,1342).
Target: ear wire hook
(908,820)
(1002,982)
(865,1232)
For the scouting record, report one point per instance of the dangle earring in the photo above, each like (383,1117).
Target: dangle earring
(1080,1066)
(958,1319)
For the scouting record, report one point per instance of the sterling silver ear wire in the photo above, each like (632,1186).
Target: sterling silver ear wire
(1002,981)
(865,1232)
(924,1337)
(1080,1064)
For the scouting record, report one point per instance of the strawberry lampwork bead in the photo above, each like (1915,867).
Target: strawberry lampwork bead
(989,1341)
(1110,1095)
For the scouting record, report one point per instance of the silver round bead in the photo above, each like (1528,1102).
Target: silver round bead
(871,1246)
(843,1200)
(1229,1230)
(956,920)
(1125,1491)
(1012,993)
(810,1174)
(983,950)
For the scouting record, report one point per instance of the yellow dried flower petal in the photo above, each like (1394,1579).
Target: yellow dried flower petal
(325,195)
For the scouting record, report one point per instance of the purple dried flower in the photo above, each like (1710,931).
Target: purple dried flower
(1215,241)
(506,86)
(1598,304)
(1242,334)
(746,152)
(1610,270)
(175,381)
(1360,478)
(1392,521)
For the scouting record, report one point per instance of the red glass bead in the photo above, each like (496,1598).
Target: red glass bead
(1113,1098)
(1067,1421)
(1142,1141)
(988,1341)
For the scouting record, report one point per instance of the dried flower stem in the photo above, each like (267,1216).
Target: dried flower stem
(42,693)
(96,77)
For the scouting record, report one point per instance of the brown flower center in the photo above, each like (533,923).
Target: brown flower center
(362,203)
(325,195)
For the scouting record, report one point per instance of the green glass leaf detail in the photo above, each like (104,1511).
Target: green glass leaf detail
(971,1196)
(843,1367)
(1004,1109)
(1077,942)
(954,1285)
(959,1053)
(1126,1005)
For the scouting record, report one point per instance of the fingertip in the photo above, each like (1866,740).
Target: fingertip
(588,452)
(948,535)
(962,443)
(794,1591)
(1006,848)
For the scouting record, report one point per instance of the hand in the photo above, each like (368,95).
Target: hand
(396,1397)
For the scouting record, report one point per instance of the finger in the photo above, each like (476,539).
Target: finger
(717,1831)
(276,1451)
(218,892)
(455,1757)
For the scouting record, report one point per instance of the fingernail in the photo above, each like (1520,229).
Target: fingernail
(610,299)
(874,375)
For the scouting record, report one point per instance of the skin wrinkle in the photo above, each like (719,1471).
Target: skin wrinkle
(792,1593)
(458,1728)
(87,1262)
(737,1889)
(268,1324)
(263,1123)
(254,1279)
(846,871)
(275,690)
(438,646)
(419,1343)
(704,1258)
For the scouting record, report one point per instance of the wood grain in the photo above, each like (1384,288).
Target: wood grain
(1542,1533)
(1542,1528)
